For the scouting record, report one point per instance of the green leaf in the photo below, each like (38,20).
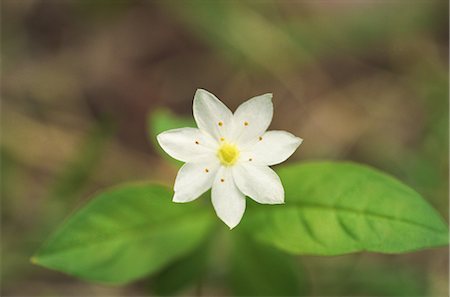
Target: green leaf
(162,120)
(337,208)
(260,270)
(124,234)
(181,273)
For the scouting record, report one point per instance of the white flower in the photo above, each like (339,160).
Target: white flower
(230,153)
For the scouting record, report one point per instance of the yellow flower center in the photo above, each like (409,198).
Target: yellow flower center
(228,154)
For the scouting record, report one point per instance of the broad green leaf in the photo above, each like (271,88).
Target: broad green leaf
(124,234)
(162,120)
(260,270)
(337,208)
(182,273)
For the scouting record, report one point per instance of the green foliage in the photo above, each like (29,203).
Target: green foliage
(337,208)
(242,31)
(365,275)
(260,270)
(124,234)
(373,281)
(331,208)
(358,32)
(83,164)
(239,33)
(181,273)
(162,120)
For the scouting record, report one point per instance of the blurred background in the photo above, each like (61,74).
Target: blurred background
(357,80)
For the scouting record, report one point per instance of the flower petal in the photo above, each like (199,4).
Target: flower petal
(211,115)
(228,201)
(187,144)
(273,148)
(259,182)
(252,118)
(194,179)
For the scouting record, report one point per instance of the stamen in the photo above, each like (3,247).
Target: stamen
(260,138)
(245,123)
(222,139)
(222,180)
(196,142)
(220,124)
(250,159)
(206,170)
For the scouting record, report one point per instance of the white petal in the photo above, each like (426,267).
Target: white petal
(211,115)
(252,118)
(259,182)
(187,144)
(228,201)
(273,148)
(193,180)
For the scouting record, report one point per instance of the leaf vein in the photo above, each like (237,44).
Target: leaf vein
(367,213)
